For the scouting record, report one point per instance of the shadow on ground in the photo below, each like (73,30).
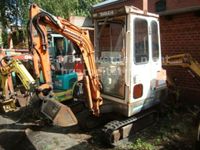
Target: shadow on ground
(174,130)
(11,140)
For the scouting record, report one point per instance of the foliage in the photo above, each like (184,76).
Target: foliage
(142,145)
(4,38)
(1,40)
(3,16)
(174,130)
(66,8)
(15,13)
(12,11)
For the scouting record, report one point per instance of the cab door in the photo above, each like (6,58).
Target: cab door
(155,57)
(142,70)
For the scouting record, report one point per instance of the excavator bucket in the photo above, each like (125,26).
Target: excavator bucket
(60,114)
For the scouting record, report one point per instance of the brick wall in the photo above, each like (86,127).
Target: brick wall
(170,4)
(181,34)
(176,4)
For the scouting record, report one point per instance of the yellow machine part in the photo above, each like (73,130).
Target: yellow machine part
(8,105)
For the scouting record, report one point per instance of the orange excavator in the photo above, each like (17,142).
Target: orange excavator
(38,45)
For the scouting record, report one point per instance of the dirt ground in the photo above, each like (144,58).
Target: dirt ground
(174,130)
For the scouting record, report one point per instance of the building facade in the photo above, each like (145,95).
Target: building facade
(180,33)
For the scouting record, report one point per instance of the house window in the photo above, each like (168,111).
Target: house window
(160,5)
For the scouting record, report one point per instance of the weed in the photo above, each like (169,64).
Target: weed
(142,145)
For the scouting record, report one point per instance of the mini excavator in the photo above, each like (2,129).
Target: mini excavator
(125,87)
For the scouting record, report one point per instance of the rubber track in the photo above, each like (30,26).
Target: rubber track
(112,126)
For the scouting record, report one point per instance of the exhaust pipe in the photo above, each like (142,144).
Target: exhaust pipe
(145,6)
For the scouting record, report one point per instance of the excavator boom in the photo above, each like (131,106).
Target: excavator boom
(16,66)
(39,19)
(182,60)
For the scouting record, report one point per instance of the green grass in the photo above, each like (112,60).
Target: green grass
(141,144)
(174,130)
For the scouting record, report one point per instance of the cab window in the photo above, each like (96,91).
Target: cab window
(141,43)
(155,40)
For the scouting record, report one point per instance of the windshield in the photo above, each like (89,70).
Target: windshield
(111,53)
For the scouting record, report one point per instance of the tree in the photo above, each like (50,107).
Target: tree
(13,13)
(84,7)
(16,11)
(66,8)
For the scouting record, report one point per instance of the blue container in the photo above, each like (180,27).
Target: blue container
(65,81)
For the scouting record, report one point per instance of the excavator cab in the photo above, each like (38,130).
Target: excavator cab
(55,40)
(127,42)
(62,71)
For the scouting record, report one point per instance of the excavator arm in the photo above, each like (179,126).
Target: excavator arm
(13,65)
(16,66)
(39,20)
(183,60)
